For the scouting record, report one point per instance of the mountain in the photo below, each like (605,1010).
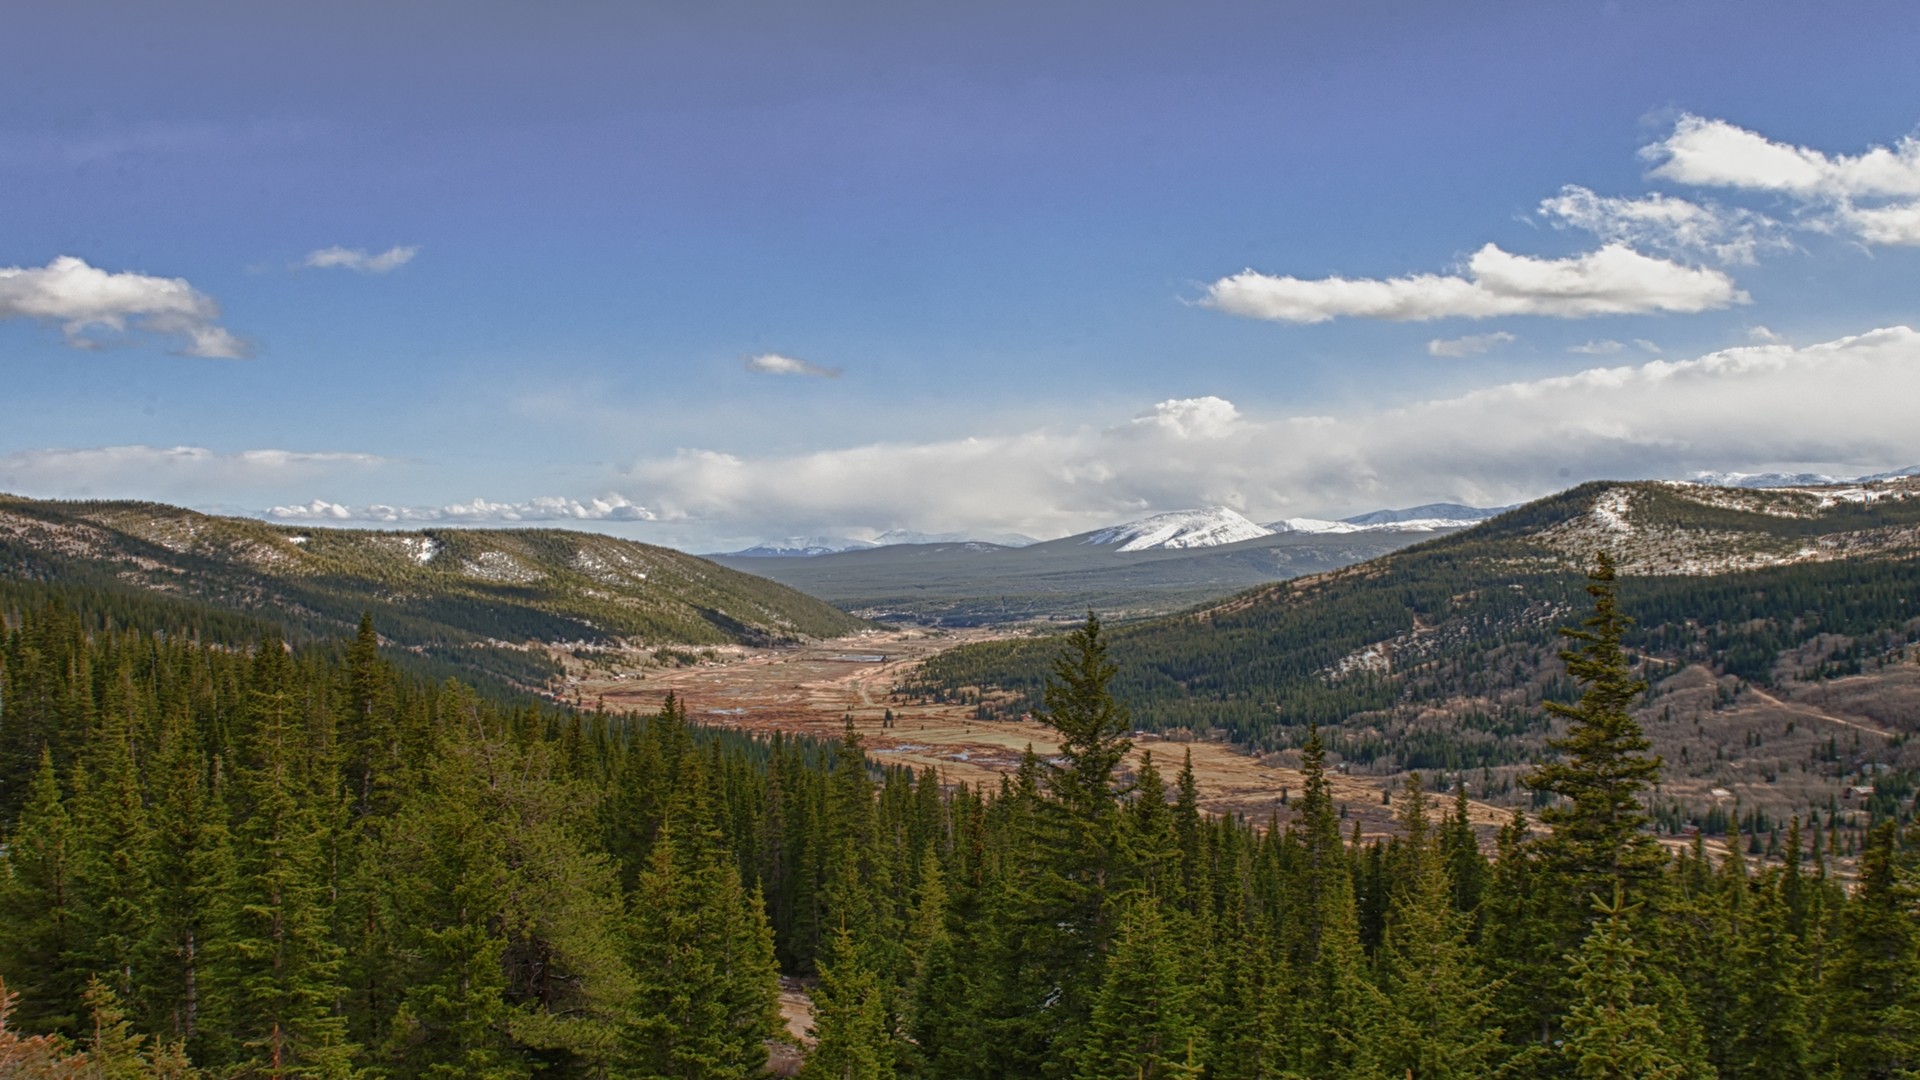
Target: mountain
(1210,527)
(1130,570)
(908,536)
(800,547)
(1433,517)
(1779,626)
(491,601)
(1776,479)
(806,547)
(1450,512)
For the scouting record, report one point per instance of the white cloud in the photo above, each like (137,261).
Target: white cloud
(360,260)
(776,364)
(84,301)
(1830,188)
(1713,153)
(1895,225)
(1603,347)
(477,512)
(1615,280)
(178,472)
(1842,401)
(1668,225)
(1470,345)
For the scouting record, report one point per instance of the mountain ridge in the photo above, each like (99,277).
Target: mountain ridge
(481,598)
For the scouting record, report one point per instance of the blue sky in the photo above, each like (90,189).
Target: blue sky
(473,263)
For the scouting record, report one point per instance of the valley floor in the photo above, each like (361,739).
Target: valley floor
(812,689)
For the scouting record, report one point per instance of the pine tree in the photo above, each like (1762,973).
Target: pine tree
(1331,1000)
(1093,726)
(1871,993)
(707,990)
(852,1038)
(1599,835)
(1460,848)
(40,933)
(116,1052)
(1436,1018)
(192,881)
(278,955)
(1614,1031)
(113,861)
(1142,1025)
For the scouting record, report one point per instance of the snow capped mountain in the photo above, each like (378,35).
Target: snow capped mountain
(1314,525)
(1208,527)
(1805,479)
(800,547)
(1387,521)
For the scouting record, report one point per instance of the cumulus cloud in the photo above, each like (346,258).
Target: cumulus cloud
(1671,226)
(477,512)
(1713,153)
(1873,196)
(1470,345)
(1615,280)
(776,364)
(95,308)
(1842,401)
(177,472)
(1602,347)
(359,259)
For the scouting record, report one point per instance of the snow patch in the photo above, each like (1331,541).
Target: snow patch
(1208,527)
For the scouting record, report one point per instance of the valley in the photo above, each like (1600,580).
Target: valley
(811,690)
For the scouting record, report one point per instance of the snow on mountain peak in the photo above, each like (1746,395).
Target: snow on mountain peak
(1208,527)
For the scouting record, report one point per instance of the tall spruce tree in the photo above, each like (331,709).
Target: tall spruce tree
(1598,828)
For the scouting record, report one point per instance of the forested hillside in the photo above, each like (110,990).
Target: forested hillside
(274,863)
(1439,657)
(485,602)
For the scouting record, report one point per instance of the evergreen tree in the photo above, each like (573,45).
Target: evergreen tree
(707,990)
(193,879)
(853,1040)
(113,861)
(1460,849)
(1331,1000)
(1093,726)
(1436,1017)
(40,934)
(1871,1026)
(1599,835)
(278,955)
(1142,1026)
(1615,1031)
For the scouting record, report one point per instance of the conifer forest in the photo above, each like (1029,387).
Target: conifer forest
(243,859)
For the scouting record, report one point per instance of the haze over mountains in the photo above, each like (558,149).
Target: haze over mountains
(1157,564)
(1204,527)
